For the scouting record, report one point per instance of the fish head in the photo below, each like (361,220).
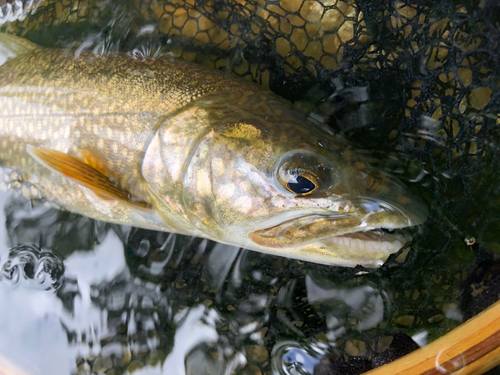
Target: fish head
(337,211)
(269,180)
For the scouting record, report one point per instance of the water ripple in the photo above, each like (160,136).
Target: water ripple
(33,269)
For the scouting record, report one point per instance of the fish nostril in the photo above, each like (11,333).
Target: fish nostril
(368,181)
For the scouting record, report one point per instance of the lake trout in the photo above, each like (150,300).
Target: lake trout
(168,145)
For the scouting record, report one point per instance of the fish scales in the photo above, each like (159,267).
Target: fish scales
(107,106)
(168,145)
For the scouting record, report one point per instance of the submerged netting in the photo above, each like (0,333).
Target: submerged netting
(415,83)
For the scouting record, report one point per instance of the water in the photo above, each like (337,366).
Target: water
(80,296)
(132,300)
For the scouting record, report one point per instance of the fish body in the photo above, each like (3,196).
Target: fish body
(168,145)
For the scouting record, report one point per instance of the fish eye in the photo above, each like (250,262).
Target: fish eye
(305,173)
(302,184)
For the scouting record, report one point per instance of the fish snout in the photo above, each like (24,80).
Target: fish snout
(392,205)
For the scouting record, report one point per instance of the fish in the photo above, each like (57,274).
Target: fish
(167,145)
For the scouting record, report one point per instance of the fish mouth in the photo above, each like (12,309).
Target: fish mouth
(367,234)
(375,240)
(338,233)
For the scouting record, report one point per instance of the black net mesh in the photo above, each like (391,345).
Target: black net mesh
(416,83)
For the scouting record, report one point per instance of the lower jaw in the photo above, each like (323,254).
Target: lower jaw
(369,241)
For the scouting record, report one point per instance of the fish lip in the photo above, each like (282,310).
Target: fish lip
(280,236)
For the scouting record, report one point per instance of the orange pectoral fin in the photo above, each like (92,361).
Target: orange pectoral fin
(85,175)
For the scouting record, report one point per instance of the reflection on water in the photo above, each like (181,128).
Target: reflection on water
(32,268)
(364,304)
(80,296)
(290,357)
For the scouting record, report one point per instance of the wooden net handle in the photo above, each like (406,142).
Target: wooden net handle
(471,348)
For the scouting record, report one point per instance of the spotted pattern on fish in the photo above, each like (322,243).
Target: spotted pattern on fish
(207,153)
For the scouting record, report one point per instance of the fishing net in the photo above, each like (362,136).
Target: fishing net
(415,83)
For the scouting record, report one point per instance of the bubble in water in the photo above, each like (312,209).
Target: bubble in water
(33,268)
(290,358)
(143,248)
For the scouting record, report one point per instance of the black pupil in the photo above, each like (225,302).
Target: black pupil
(301,186)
